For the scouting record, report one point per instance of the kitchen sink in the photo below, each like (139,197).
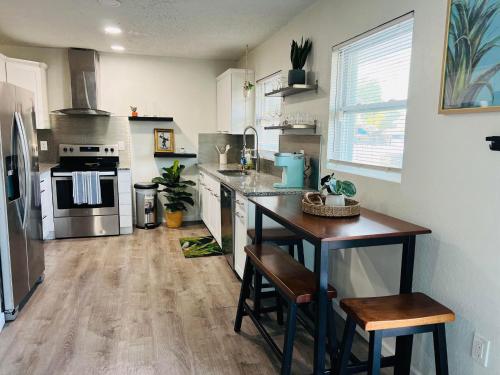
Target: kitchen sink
(233,172)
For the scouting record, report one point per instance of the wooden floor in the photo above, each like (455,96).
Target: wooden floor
(135,305)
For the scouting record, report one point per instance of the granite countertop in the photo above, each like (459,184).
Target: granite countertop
(252,184)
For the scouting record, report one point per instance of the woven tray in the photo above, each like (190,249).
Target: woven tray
(352,208)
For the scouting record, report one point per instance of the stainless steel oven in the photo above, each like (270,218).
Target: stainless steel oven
(85,220)
(62,196)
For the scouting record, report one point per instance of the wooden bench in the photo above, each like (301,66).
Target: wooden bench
(394,316)
(296,285)
(280,237)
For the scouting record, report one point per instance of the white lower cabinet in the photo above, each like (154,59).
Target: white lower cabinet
(47,208)
(125,201)
(210,205)
(240,233)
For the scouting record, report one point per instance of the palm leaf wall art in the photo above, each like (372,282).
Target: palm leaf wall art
(471,68)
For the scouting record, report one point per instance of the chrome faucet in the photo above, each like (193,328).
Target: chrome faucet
(257,161)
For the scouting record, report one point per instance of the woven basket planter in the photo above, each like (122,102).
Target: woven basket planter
(351,208)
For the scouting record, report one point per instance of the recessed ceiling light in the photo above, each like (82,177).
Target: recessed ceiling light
(113,30)
(110,3)
(116,47)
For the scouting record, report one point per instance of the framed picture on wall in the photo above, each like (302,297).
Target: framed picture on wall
(471,62)
(164,140)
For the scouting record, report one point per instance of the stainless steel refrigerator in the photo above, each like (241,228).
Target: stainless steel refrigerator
(21,251)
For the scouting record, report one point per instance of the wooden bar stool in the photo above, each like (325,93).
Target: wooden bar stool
(393,316)
(282,237)
(279,237)
(295,284)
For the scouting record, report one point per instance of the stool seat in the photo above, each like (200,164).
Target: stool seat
(292,278)
(275,235)
(398,311)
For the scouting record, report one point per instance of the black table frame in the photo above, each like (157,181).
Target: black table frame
(321,264)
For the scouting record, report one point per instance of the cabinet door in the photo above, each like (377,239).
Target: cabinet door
(33,77)
(201,182)
(217,214)
(224,103)
(240,240)
(3,71)
(239,107)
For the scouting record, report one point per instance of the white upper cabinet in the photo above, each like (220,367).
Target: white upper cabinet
(3,73)
(231,105)
(31,75)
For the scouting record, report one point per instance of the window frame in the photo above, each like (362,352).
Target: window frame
(336,90)
(263,152)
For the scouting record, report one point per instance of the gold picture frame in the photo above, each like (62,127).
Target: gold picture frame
(164,140)
(443,108)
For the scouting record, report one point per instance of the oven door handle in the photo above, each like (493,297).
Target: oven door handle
(69,174)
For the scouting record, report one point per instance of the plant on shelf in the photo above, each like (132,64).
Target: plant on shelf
(175,190)
(134,111)
(298,57)
(337,190)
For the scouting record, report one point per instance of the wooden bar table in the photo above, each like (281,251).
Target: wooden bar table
(369,229)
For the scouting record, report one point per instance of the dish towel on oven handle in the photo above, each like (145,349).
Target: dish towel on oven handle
(86,188)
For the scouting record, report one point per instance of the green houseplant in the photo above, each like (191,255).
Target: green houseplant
(175,190)
(298,57)
(337,190)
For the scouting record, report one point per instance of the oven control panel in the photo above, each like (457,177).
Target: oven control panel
(88,150)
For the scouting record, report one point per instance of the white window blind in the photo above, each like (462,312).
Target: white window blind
(267,113)
(369,90)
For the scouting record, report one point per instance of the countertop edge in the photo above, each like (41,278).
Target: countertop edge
(274,192)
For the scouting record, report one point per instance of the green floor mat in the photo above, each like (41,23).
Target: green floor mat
(202,246)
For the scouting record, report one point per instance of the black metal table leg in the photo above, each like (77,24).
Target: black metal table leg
(258,225)
(404,344)
(321,253)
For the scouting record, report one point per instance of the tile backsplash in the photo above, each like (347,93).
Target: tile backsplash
(310,144)
(207,142)
(85,130)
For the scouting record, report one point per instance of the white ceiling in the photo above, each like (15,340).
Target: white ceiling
(216,29)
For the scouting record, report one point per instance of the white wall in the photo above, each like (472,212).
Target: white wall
(182,88)
(450,180)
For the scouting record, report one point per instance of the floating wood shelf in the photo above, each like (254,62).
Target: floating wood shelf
(293,127)
(150,118)
(292,90)
(174,155)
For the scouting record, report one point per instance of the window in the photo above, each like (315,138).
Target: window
(369,90)
(267,113)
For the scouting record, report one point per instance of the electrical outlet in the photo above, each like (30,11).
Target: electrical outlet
(480,349)
(121,145)
(43,146)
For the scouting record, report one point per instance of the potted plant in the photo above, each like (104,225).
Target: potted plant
(176,194)
(298,57)
(337,190)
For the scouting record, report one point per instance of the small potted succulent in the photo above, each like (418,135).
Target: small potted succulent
(176,194)
(298,57)
(337,190)
(134,111)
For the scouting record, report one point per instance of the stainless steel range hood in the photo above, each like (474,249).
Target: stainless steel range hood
(84,72)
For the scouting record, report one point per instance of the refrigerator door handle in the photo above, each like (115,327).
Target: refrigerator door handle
(27,167)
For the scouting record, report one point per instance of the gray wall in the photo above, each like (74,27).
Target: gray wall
(85,130)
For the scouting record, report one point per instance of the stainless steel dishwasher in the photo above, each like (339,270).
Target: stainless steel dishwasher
(227,224)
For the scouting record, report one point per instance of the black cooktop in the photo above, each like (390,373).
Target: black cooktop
(86,164)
